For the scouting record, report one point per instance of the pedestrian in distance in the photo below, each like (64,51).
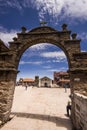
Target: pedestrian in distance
(68,108)
(65,86)
(26,86)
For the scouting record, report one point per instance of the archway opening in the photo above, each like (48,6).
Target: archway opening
(42,60)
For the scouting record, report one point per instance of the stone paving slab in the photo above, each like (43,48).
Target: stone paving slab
(39,109)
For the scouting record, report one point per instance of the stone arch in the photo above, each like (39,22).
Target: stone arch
(49,41)
(10,57)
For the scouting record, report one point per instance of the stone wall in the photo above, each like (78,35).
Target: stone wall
(80,111)
(77,62)
(7,86)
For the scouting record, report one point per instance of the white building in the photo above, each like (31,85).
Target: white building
(45,82)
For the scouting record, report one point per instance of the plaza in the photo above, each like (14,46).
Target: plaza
(39,109)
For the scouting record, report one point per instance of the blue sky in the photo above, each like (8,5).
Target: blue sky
(45,58)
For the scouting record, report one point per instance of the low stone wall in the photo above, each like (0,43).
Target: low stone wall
(80,102)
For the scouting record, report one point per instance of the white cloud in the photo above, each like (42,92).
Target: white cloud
(63,68)
(26,62)
(83,51)
(52,70)
(58,55)
(11,3)
(37,47)
(60,8)
(58,69)
(47,67)
(82,35)
(59,60)
(6,36)
(35,50)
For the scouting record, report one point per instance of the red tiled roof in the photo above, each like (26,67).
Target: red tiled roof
(64,80)
(45,77)
(28,80)
(61,73)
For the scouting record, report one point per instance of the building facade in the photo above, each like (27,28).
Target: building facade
(62,79)
(45,82)
(26,82)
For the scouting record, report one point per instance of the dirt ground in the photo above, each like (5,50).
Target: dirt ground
(39,109)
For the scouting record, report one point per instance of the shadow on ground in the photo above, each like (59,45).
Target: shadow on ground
(63,122)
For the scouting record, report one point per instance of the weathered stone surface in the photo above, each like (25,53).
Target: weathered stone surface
(10,57)
(80,111)
(0,122)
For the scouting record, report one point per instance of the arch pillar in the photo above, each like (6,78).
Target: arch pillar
(7,86)
(79,107)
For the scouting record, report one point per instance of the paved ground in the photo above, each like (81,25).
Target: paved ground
(39,109)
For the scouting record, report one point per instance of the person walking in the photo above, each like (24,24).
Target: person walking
(65,86)
(68,107)
(26,86)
